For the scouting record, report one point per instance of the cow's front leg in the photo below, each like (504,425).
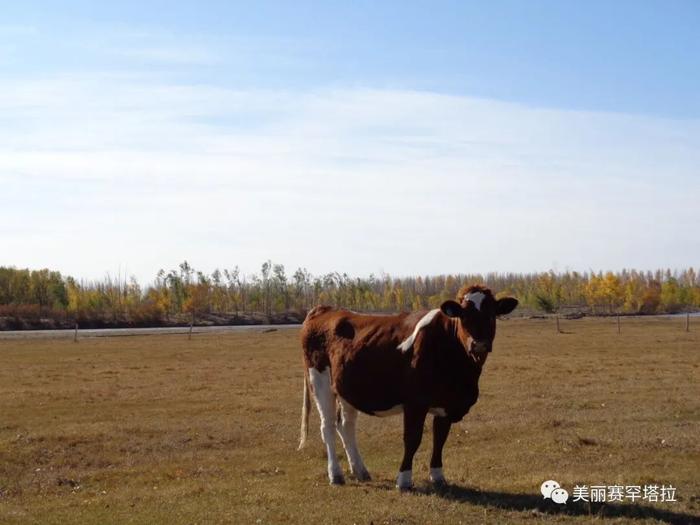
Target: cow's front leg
(413,420)
(441,428)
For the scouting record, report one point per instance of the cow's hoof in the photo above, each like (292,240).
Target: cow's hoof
(437,477)
(338,479)
(362,475)
(404,481)
(439,484)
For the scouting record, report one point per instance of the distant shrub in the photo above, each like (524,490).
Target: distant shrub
(545,304)
(21,311)
(148,312)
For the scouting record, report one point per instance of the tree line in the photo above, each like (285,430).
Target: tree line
(186,291)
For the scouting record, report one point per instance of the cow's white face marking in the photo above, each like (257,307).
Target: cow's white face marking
(476,298)
(438,411)
(398,409)
(406,345)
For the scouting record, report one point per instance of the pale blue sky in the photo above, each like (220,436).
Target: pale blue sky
(406,137)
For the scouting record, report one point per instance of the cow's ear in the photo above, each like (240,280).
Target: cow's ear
(506,305)
(451,309)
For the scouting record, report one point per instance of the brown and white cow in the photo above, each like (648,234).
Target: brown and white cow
(416,363)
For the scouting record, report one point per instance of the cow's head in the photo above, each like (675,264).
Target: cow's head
(477,314)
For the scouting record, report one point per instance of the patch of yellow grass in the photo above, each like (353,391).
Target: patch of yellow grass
(156,429)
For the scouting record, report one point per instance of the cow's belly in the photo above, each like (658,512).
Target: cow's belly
(398,409)
(381,404)
(369,392)
(370,379)
(393,411)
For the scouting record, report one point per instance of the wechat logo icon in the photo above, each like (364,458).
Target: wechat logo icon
(552,489)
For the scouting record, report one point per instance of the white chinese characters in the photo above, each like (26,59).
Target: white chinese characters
(652,493)
(611,493)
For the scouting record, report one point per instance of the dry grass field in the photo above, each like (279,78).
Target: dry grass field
(161,429)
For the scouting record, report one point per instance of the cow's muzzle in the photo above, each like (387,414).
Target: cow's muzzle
(480,347)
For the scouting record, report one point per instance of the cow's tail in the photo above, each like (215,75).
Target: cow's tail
(305,407)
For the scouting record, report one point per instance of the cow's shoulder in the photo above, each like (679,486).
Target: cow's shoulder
(418,323)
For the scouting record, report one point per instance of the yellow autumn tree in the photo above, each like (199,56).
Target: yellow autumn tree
(612,291)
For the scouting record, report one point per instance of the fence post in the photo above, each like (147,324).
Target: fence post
(618,323)
(558,329)
(687,322)
(75,335)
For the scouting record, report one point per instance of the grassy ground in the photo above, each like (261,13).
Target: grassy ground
(156,429)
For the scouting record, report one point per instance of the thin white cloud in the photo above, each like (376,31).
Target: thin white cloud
(101,171)
(14,30)
(170,55)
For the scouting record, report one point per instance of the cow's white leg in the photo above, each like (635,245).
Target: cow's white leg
(325,402)
(348,434)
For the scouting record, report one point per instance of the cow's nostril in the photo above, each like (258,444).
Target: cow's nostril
(480,346)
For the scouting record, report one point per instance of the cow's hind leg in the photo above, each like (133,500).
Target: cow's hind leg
(325,402)
(347,430)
